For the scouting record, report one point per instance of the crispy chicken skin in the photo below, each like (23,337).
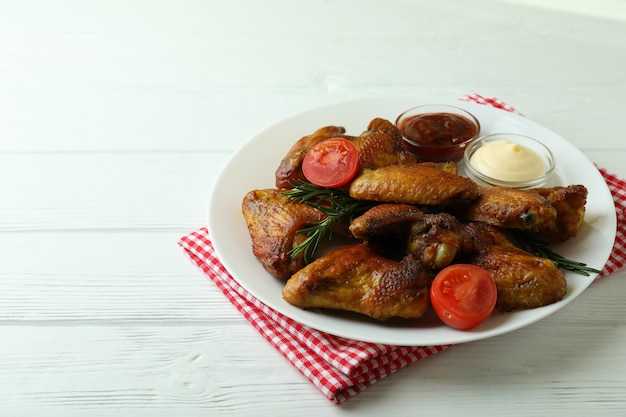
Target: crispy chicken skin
(290,168)
(382,145)
(449,167)
(523,280)
(422,184)
(357,278)
(384,219)
(511,209)
(272,223)
(569,203)
(434,239)
(556,213)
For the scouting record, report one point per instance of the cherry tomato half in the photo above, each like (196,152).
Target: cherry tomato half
(331,163)
(463,295)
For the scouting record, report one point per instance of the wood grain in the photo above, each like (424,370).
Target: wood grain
(116,118)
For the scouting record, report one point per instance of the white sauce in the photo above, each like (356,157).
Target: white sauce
(507,161)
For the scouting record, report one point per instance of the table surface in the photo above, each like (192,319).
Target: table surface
(116,118)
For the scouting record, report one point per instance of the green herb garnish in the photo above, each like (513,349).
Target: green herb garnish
(337,205)
(540,248)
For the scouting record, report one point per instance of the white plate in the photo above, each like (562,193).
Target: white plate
(253,167)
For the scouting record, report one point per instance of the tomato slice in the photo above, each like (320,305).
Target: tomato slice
(463,295)
(331,163)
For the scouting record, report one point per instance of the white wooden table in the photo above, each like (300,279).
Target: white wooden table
(115,119)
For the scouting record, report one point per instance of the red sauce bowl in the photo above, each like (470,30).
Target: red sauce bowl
(438,132)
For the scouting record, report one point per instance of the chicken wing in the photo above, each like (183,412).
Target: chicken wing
(434,238)
(510,208)
(422,184)
(556,213)
(382,145)
(569,203)
(357,278)
(384,219)
(273,223)
(523,280)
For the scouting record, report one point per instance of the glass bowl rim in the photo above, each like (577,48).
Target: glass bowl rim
(546,155)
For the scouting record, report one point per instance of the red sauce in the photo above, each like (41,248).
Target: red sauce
(438,136)
(438,129)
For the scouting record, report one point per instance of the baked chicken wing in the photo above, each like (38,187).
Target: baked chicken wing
(358,278)
(384,219)
(569,203)
(556,213)
(523,280)
(421,184)
(434,238)
(382,145)
(511,208)
(273,223)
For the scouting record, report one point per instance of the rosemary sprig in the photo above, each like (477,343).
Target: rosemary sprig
(540,248)
(337,205)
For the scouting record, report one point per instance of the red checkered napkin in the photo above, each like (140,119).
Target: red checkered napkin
(341,368)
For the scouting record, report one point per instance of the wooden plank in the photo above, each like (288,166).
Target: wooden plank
(158,368)
(103,191)
(133,277)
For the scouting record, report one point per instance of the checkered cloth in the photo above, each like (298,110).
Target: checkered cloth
(341,368)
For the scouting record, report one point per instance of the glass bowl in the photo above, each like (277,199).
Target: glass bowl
(438,132)
(509,160)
